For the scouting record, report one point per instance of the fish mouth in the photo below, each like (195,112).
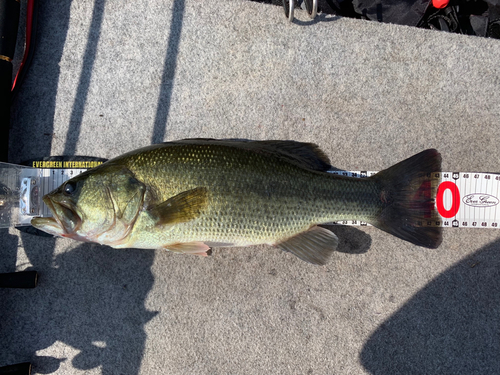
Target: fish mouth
(48,225)
(65,220)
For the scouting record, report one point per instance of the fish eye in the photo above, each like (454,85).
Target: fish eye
(69,188)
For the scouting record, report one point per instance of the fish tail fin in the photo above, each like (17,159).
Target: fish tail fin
(407,199)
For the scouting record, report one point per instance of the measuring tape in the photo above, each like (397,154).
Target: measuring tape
(469,199)
(462,199)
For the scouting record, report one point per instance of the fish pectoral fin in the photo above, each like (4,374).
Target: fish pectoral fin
(181,208)
(195,248)
(314,246)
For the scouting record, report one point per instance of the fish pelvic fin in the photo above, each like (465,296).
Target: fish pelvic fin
(407,199)
(181,208)
(195,248)
(314,246)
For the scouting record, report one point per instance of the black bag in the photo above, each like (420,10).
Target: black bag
(471,17)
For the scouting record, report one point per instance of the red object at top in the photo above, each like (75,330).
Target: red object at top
(440,4)
(29,25)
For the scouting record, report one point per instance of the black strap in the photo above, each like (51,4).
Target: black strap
(441,19)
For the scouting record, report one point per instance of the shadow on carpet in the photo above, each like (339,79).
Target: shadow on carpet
(452,326)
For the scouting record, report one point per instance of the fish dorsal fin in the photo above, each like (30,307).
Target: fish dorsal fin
(305,155)
(314,246)
(181,208)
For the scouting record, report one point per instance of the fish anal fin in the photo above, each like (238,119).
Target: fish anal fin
(181,208)
(314,246)
(195,248)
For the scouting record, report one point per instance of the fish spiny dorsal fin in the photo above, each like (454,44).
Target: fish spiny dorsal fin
(305,155)
(314,246)
(181,208)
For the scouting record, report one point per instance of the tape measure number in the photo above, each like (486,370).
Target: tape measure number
(462,199)
(468,199)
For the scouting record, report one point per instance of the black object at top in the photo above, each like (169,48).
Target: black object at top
(9,23)
(471,17)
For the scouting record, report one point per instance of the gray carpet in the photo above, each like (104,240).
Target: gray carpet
(112,76)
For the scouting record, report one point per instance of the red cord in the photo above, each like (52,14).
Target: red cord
(29,21)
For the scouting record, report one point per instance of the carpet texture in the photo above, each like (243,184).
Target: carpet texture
(111,76)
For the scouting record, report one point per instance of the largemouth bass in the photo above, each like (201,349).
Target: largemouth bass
(190,195)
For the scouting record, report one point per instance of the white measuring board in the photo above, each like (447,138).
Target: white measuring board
(469,199)
(462,199)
